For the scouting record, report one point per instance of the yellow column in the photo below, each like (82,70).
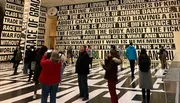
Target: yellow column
(177,43)
(50,39)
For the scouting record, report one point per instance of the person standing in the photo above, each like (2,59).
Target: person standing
(82,69)
(90,53)
(38,68)
(163,57)
(132,57)
(17,59)
(50,76)
(121,53)
(32,62)
(145,78)
(26,61)
(111,67)
(70,54)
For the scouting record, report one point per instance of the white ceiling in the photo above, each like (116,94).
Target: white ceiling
(50,3)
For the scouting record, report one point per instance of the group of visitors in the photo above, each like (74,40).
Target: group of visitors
(49,66)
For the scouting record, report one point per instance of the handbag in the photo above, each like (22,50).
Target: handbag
(33,65)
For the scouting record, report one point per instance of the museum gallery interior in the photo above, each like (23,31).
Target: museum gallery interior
(99,24)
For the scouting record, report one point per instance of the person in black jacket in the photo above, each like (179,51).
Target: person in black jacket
(17,58)
(38,68)
(82,69)
(32,55)
(26,61)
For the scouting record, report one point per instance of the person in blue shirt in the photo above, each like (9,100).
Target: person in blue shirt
(132,57)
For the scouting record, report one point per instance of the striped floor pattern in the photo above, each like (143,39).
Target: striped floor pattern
(16,89)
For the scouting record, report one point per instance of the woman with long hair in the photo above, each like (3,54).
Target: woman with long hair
(38,68)
(111,67)
(145,79)
(50,76)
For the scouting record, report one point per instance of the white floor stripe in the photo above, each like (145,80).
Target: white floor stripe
(20,97)
(13,85)
(18,88)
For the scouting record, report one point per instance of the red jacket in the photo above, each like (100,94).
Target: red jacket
(50,73)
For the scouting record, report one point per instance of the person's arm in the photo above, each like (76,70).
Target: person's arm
(44,61)
(150,61)
(126,53)
(105,65)
(117,60)
(135,54)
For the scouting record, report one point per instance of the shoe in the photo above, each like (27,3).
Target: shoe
(29,80)
(85,99)
(34,96)
(143,101)
(132,77)
(15,73)
(80,96)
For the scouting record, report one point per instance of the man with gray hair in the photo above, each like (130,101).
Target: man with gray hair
(82,69)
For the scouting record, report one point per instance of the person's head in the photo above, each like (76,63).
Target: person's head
(130,43)
(113,47)
(54,57)
(162,47)
(82,48)
(121,46)
(143,52)
(18,48)
(113,53)
(42,50)
(89,46)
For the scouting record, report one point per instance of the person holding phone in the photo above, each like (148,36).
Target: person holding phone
(50,76)
(112,61)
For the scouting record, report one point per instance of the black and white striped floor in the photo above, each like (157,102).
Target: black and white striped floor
(16,89)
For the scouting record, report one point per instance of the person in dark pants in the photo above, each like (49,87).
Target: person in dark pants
(38,68)
(132,57)
(82,69)
(50,76)
(90,53)
(26,61)
(111,67)
(17,59)
(163,54)
(145,79)
(32,61)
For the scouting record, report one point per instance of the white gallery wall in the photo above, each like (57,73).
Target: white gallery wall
(148,24)
(23,24)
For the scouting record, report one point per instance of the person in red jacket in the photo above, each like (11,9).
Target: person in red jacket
(49,77)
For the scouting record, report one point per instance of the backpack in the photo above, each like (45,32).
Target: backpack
(144,64)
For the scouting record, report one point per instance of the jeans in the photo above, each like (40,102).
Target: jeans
(46,89)
(112,90)
(144,95)
(83,85)
(132,65)
(62,70)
